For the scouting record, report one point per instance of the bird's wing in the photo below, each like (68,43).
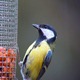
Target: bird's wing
(28,51)
(46,63)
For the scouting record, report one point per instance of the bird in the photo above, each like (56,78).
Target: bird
(38,56)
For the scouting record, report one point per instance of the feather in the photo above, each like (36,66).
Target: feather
(46,63)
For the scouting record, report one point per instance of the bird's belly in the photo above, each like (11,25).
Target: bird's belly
(35,64)
(35,61)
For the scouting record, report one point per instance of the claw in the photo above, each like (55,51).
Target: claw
(20,63)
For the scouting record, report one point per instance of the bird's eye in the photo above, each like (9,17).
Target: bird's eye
(43,26)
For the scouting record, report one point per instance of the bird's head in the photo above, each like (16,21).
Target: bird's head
(46,32)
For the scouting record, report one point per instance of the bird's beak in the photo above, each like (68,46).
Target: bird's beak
(36,25)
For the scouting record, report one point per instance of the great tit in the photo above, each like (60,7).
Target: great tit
(38,56)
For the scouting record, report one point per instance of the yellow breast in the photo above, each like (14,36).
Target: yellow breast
(36,58)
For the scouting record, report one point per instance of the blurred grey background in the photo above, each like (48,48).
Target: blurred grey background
(64,15)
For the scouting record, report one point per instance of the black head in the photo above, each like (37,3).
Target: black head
(46,32)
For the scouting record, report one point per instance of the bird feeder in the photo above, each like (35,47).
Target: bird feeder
(8,38)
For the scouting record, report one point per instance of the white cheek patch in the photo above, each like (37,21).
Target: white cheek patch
(48,33)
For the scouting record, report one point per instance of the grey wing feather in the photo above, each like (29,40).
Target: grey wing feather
(46,63)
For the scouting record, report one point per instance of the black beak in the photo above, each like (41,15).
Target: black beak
(36,26)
